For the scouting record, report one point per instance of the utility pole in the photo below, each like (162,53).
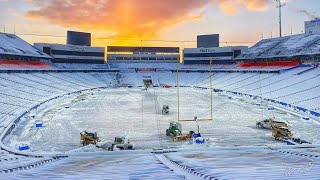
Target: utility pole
(280,4)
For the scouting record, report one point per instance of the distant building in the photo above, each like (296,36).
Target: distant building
(133,54)
(219,55)
(312,27)
(72,54)
(78,38)
(208,41)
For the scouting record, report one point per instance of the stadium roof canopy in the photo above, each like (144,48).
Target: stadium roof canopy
(285,47)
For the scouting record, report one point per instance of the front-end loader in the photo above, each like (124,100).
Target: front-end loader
(87,138)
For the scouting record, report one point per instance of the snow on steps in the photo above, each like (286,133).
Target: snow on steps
(31,163)
(187,172)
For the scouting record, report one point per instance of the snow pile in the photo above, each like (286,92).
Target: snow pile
(88,148)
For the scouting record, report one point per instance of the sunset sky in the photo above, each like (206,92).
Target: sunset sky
(127,22)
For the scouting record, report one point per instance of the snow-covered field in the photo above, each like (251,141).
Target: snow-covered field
(136,114)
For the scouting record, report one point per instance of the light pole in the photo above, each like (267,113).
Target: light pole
(280,5)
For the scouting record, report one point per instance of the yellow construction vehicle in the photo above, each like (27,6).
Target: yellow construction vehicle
(174,131)
(147,82)
(87,138)
(183,137)
(281,133)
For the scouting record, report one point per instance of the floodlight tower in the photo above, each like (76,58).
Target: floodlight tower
(280,4)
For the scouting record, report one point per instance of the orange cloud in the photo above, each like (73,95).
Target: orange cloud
(140,19)
(131,19)
(232,7)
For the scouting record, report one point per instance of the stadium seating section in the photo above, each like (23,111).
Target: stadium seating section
(13,47)
(285,47)
(20,91)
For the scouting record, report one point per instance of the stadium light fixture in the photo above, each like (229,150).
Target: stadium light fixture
(279,5)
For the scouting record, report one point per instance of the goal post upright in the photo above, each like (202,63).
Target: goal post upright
(211,96)
(211,90)
(178,95)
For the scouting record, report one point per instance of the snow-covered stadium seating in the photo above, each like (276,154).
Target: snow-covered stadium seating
(17,54)
(297,87)
(284,47)
(81,66)
(21,91)
(169,66)
(13,47)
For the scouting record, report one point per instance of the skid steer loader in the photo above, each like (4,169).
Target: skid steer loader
(121,143)
(165,109)
(270,122)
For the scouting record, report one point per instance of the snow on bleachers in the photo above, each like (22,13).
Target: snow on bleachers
(312,48)
(295,91)
(75,77)
(133,66)
(259,48)
(81,66)
(16,54)
(90,79)
(289,46)
(19,92)
(11,44)
(105,78)
(299,90)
